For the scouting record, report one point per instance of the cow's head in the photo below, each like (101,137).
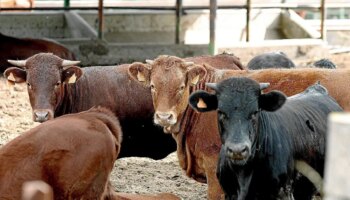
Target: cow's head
(238,102)
(169,78)
(45,75)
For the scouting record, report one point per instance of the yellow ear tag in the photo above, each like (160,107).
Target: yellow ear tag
(11,78)
(195,80)
(201,103)
(141,77)
(72,79)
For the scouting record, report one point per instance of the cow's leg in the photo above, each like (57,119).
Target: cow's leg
(214,189)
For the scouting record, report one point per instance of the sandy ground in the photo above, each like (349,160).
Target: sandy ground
(132,175)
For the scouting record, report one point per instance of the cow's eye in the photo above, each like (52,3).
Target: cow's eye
(58,84)
(181,88)
(153,88)
(29,85)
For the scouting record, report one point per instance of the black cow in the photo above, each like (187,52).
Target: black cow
(270,60)
(324,63)
(262,135)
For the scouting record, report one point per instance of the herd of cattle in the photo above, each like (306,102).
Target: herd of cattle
(233,127)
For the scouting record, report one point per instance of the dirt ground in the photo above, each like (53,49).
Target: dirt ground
(131,175)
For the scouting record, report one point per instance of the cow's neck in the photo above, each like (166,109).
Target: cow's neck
(185,127)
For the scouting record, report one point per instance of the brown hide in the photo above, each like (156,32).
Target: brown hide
(171,80)
(293,81)
(107,86)
(12,48)
(220,61)
(74,154)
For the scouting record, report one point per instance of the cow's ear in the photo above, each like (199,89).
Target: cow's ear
(202,101)
(272,101)
(140,72)
(15,75)
(71,74)
(195,74)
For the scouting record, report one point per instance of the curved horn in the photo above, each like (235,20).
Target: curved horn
(264,85)
(69,63)
(18,63)
(149,61)
(189,64)
(213,86)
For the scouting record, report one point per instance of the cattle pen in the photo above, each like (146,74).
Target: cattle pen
(108,33)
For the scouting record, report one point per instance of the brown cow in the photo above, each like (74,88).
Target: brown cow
(22,48)
(172,79)
(50,94)
(74,154)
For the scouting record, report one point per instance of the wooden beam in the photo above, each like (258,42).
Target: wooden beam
(213,8)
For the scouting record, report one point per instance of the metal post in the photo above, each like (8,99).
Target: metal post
(213,7)
(337,177)
(323,18)
(66,3)
(100,19)
(178,21)
(248,20)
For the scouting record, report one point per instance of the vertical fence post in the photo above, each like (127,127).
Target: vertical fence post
(323,18)
(337,176)
(248,20)
(100,19)
(178,21)
(66,4)
(213,8)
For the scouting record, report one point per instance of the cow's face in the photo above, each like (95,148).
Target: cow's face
(238,102)
(169,79)
(45,75)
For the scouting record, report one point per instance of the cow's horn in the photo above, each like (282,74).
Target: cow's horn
(264,85)
(18,63)
(149,61)
(213,86)
(69,63)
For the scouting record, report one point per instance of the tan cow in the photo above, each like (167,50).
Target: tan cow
(172,79)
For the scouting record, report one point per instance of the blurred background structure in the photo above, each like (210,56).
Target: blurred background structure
(129,30)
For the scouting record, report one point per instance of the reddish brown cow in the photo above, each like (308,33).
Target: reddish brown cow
(22,48)
(74,154)
(172,79)
(50,94)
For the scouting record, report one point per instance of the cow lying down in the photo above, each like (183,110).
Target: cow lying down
(73,153)
(263,134)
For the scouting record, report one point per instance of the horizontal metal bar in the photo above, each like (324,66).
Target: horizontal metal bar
(256,6)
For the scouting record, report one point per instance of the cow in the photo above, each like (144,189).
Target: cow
(74,154)
(324,63)
(57,86)
(13,48)
(172,79)
(276,59)
(263,133)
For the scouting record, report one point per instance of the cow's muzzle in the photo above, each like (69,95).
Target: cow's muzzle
(237,151)
(42,115)
(165,118)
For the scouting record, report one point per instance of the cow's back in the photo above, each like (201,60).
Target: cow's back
(220,61)
(111,87)
(12,48)
(60,152)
